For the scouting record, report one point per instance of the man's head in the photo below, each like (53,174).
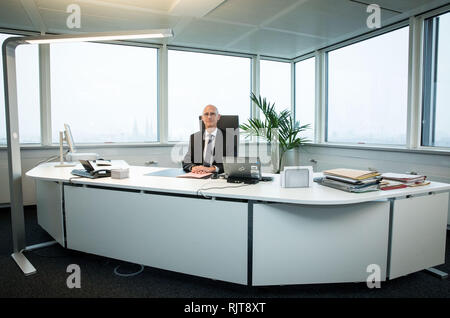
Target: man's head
(210,116)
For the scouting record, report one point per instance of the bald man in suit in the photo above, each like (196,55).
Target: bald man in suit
(206,150)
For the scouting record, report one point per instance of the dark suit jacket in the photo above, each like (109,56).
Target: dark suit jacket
(222,147)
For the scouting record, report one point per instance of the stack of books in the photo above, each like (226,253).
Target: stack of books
(350,180)
(392,181)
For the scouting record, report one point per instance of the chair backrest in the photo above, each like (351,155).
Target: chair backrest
(227,121)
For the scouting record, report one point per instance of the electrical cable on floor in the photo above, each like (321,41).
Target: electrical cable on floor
(116,272)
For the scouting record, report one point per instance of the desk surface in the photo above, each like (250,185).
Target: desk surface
(263,191)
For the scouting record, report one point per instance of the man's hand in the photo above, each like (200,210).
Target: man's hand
(203,169)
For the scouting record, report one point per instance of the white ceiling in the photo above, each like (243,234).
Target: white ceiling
(280,28)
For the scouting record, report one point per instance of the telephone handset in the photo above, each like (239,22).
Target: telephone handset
(100,173)
(95,173)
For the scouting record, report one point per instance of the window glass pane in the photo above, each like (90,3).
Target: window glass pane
(367,90)
(275,83)
(442,128)
(27,72)
(305,95)
(106,93)
(198,79)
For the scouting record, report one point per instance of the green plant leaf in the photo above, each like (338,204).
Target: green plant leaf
(288,129)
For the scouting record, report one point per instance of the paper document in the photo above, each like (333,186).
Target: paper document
(195,175)
(352,173)
(102,162)
(391,185)
(403,177)
(346,187)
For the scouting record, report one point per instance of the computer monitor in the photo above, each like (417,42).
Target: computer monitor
(69,137)
(72,156)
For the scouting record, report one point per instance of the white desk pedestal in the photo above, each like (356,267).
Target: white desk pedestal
(418,233)
(199,237)
(299,244)
(49,208)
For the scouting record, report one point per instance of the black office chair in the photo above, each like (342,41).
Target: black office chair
(230,125)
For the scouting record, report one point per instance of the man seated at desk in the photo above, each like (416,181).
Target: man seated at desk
(206,151)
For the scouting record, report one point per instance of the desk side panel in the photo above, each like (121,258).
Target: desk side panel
(318,244)
(419,230)
(49,208)
(194,236)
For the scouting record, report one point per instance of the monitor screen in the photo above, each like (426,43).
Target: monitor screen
(69,137)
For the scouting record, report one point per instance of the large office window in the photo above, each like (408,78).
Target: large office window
(198,79)
(305,95)
(367,90)
(275,83)
(106,93)
(436,93)
(27,71)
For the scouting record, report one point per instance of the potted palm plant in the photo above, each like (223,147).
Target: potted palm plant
(280,130)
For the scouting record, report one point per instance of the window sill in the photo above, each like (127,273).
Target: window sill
(110,145)
(419,150)
(423,150)
(92,146)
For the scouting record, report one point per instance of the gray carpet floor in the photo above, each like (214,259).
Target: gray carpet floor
(99,281)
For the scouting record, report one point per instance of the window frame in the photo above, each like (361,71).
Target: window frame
(254,77)
(48,142)
(318,90)
(291,80)
(415,94)
(429,89)
(371,35)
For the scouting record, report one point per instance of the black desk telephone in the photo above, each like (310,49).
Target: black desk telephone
(90,172)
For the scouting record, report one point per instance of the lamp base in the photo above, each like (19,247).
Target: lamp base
(24,264)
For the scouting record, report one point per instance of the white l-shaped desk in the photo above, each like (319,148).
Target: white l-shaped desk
(254,234)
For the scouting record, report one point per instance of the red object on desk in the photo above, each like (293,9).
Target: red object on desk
(195,175)
(394,186)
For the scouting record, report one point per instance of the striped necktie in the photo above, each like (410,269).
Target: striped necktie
(209,151)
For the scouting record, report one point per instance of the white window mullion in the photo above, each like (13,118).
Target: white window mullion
(320,103)
(163,83)
(413,130)
(255,84)
(293,107)
(45,94)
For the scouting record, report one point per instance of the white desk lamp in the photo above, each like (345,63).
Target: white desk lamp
(12,123)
